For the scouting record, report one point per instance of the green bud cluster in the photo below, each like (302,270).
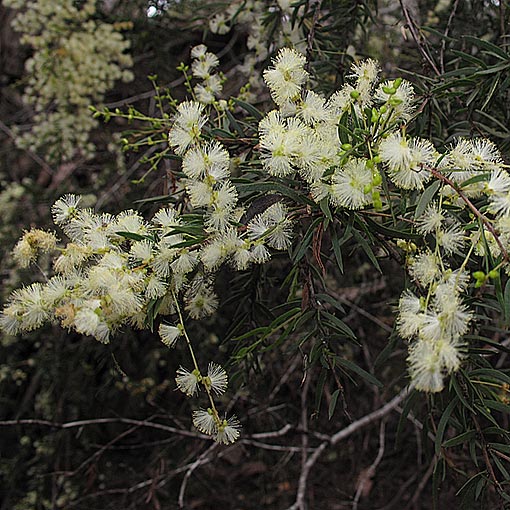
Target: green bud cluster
(482,278)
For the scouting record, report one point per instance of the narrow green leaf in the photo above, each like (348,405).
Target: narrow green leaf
(461,438)
(337,324)
(504,448)
(494,69)
(498,406)
(366,248)
(486,45)
(391,232)
(320,389)
(268,186)
(324,205)
(235,124)
(500,466)
(507,302)
(470,482)
(249,108)
(331,300)
(305,243)
(332,404)
(426,197)
(337,250)
(475,179)
(349,365)
(443,423)
(490,374)
(133,236)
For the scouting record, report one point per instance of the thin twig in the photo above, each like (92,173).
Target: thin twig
(445,35)
(369,473)
(40,161)
(304,428)
(360,311)
(473,208)
(339,436)
(422,483)
(417,38)
(202,459)
(99,421)
(311,33)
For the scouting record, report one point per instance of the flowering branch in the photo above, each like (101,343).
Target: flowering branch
(473,208)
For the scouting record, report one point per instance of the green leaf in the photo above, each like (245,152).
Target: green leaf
(426,197)
(486,45)
(500,466)
(349,365)
(338,325)
(332,404)
(133,236)
(500,447)
(305,243)
(461,438)
(249,108)
(443,423)
(267,186)
(331,300)
(507,302)
(323,204)
(497,406)
(235,124)
(475,179)
(390,232)
(320,389)
(490,374)
(494,69)
(337,250)
(366,248)
(197,231)
(383,356)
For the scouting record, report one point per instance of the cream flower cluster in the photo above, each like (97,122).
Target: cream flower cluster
(76,59)
(203,68)
(115,267)
(121,270)
(249,16)
(344,146)
(206,164)
(303,135)
(434,324)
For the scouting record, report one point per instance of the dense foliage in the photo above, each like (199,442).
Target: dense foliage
(308,235)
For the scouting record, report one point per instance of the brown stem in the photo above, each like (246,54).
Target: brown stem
(473,208)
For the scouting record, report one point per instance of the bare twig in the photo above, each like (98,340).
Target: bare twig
(369,473)
(144,95)
(418,38)
(311,33)
(125,176)
(446,32)
(35,157)
(285,377)
(304,428)
(202,459)
(473,208)
(99,421)
(275,433)
(422,484)
(360,311)
(336,438)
